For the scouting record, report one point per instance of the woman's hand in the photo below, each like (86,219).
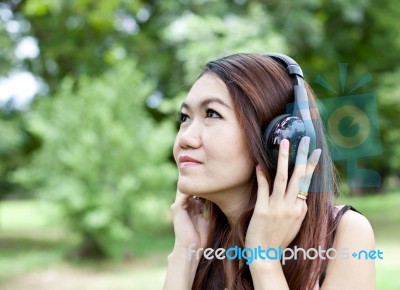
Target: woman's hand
(191,230)
(277,218)
(190,226)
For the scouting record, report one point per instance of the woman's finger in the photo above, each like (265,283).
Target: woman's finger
(182,197)
(311,165)
(299,170)
(181,201)
(281,178)
(263,189)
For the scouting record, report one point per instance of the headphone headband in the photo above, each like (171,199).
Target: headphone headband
(291,65)
(301,104)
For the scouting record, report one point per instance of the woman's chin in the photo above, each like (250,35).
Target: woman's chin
(189,189)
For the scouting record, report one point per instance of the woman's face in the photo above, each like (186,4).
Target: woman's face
(210,149)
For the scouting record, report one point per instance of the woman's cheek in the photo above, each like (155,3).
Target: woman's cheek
(176,149)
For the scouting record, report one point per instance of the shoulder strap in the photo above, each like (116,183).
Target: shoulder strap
(343,210)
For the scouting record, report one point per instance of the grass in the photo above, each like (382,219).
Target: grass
(33,244)
(29,237)
(383,211)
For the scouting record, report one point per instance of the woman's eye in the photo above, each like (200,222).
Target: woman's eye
(210,113)
(182,117)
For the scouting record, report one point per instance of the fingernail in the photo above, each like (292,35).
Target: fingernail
(285,143)
(317,154)
(306,140)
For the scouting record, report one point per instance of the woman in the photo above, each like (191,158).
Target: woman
(241,200)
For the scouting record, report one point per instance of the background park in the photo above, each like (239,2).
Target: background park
(89,91)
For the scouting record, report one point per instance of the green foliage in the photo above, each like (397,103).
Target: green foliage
(101,154)
(11,144)
(87,37)
(16,145)
(200,38)
(389,107)
(7,58)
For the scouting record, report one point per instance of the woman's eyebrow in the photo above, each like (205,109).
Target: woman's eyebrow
(206,102)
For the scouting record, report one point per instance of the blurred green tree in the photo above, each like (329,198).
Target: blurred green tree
(101,154)
(16,146)
(389,106)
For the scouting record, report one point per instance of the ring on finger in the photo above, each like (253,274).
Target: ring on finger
(302,195)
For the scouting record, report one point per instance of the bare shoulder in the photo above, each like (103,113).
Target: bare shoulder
(354,229)
(354,235)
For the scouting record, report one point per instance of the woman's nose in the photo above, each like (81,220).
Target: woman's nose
(190,137)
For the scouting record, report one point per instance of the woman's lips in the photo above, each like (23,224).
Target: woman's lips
(187,164)
(186,161)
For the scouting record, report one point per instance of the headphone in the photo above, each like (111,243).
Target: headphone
(289,126)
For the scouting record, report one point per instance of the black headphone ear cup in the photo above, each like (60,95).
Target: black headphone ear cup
(283,127)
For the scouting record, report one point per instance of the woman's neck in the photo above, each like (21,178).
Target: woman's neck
(231,203)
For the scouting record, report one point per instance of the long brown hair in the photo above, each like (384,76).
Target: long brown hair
(261,89)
